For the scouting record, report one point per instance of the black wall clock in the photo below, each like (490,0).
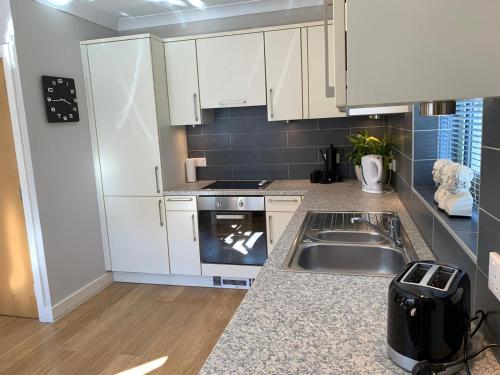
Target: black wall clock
(59,95)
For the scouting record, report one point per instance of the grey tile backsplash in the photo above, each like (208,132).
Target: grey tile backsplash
(242,144)
(480,237)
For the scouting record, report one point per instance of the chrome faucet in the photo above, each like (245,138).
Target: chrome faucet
(394,229)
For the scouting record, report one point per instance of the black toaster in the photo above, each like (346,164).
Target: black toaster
(428,314)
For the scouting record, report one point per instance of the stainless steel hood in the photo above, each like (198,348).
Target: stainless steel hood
(438,108)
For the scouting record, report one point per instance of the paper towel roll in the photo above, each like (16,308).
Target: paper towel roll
(190,170)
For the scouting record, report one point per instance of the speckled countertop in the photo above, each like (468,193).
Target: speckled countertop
(306,323)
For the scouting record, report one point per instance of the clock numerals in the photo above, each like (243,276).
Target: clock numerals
(60,99)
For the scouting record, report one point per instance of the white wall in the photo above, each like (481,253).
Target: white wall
(47,43)
(307,14)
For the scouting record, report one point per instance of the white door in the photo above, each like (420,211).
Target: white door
(137,234)
(319,105)
(182,79)
(284,74)
(276,225)
(183,243)
(125,113)
(231,71)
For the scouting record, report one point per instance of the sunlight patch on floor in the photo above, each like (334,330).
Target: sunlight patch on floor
(145,368)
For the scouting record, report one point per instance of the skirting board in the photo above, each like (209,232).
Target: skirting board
(149,278)
(81,295)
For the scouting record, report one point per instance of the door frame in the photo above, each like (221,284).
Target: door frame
(27,179)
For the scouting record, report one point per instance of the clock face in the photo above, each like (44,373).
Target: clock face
(60,99)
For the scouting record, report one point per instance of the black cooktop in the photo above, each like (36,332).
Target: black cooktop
(238,184)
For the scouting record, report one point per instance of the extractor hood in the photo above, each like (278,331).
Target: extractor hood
(368,111)
(438,108)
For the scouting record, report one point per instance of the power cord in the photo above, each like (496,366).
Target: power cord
(429,368)
(388,188)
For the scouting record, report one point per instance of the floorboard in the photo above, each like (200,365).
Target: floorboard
(124,326)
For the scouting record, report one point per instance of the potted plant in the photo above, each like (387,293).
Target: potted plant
(364,144)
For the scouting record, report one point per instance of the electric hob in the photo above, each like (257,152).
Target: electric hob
(238,185)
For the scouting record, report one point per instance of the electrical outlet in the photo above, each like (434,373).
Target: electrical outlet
(494,274)
(392,165)
(200,162)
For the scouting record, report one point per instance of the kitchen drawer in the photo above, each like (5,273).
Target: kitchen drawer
(180,203)
(283,203)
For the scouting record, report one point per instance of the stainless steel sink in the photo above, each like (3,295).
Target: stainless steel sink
(329,242)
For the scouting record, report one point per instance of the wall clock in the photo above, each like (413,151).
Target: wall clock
(60,100)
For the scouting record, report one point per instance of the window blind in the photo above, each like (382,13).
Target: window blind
(460,138)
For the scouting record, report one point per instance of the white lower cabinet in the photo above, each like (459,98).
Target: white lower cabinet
(279,212)
(137,234)
(182,228)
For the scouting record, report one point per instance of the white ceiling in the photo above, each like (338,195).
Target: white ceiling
(134,14)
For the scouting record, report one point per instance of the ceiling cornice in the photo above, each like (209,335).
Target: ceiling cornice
(211,13)
(247,7)
(86,12)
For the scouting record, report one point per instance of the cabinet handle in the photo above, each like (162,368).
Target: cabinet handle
(283,200)
(232,101)
(270,229)
(194,228)
(157,180)
(179,199)
(195,101)
(230,217)
(159,211)
(330,90)
(271,103)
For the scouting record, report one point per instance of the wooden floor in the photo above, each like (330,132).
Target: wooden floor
(124,326)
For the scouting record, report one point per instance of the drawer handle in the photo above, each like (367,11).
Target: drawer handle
(271,229)
(159,211)
(284,200)
(179,199)
(194,227)
(271,103)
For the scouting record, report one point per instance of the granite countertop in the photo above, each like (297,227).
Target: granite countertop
(306,323)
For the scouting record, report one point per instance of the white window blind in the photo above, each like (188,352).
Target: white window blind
(460,138)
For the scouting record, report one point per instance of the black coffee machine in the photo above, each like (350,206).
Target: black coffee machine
(330,172)
(428,314)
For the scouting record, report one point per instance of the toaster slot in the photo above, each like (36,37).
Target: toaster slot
(417,273)
(442,278)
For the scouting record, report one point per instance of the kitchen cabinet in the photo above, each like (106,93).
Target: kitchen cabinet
(231,70)
(137,234)
(127,82)
(284,74)
(279,212)
(182,81)
(182,229)
(407,51)
(319,105)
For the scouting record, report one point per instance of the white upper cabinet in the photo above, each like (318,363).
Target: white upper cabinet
(124,102)
(414,51)
(182,79)
(231,71)
(284,74)
(320,106)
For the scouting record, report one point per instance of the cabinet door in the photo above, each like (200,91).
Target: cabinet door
(406,51)
(137,234)
(183,242)
(320,106)
(284,75)
(276,225)
(182,79)
(231,71)
(123,95)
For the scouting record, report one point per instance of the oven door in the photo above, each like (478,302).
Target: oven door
(233,237)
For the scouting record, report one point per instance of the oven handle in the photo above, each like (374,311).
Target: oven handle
(230,217)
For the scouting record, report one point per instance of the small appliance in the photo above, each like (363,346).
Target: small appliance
(428,314)
(330,172)
(372,168)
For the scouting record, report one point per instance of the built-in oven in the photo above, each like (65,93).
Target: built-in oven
(232,230)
